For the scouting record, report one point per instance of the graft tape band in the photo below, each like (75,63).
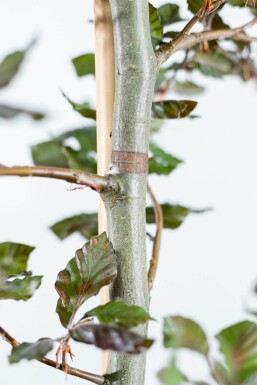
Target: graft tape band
(130,162)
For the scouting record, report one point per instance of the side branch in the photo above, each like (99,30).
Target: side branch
(184,40)
(96,379)
(95,182)
(196,38)
(157,239)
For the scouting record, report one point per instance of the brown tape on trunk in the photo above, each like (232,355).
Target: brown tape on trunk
(130,162)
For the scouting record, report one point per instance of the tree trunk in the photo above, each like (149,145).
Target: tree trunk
(136,70)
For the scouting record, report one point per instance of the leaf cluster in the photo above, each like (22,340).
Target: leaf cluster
(238,348)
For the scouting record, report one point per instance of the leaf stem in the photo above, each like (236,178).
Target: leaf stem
(157,239)
(95,378)
(95,182)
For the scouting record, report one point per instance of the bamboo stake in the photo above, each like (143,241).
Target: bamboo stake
(105,88)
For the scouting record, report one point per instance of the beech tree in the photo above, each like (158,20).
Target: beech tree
(140,40)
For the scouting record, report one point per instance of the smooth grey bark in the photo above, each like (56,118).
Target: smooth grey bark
(136,71)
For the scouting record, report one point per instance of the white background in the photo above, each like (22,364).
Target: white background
(207,267)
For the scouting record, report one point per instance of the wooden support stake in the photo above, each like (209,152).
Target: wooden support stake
(105,88)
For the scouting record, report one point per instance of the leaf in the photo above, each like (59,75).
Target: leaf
(161,79)
(181,332)
(111,338)
(50,154)
(93,267)
(9,112)
(83,109)
(161,162)
(14,257)
(85,224)
(173,215)
(169,14)
(84,64)
(172,109)
(20,289)
(155,125)
(59,153)
(155,25)
(114,378)
(11,65)
(238,343)
(194,5)
(218,23)
(171,375)
(213,64)
(119,314)
(239,3)
(31,351)
(220,373)
(187,88)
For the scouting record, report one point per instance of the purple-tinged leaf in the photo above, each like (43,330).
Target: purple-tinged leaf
(181,332)
(238,344)
(109,338)
(93,267)
(172,109)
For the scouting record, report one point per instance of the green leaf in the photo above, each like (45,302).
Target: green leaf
(20,289)
(85,224)
(9,112)
(238,343)
(14,257)
(84,64)
(218,23)
(57,153)
(155,125)
(187,88)
(213,64)
(194,5)
(50,153)
(108,337)
(161,162)
(181,332)
(155,25)
(173,215)
(161,79)
(172,109)
(171,375)
(169,14)
(239,3)
(11,65)
(83,109)
(93,267)
(31,351)
(119,314)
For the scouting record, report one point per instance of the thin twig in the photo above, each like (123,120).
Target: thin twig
(196,38)
(95,378)
(157,239)
(95,182)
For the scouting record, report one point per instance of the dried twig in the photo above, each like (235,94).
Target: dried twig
(156,240)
